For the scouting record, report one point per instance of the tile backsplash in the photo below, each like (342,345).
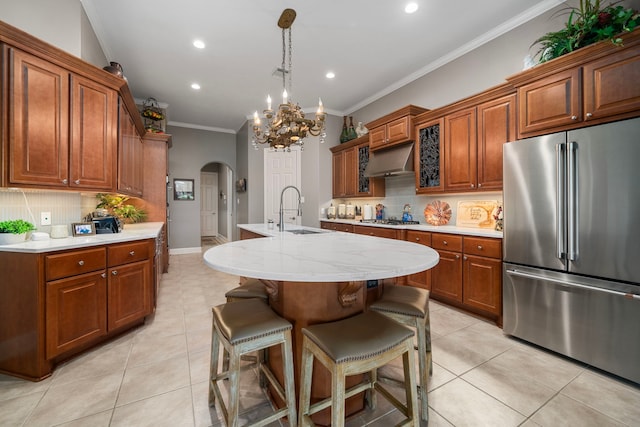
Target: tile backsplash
(400,190)
(27,204)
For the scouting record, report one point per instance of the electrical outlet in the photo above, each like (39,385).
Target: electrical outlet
(45,218)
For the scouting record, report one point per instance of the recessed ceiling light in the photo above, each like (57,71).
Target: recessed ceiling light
(411,7)
(199,44)
(330,75)
(195,86)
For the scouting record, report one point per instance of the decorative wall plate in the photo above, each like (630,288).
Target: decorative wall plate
(437,213)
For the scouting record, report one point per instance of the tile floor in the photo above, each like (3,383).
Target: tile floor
(156,375)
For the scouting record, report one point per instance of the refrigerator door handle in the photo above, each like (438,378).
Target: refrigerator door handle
(560,200)
(566,283)
(572,201)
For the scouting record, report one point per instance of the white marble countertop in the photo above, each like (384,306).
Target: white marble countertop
(130,232)
(326,256)
(451,229)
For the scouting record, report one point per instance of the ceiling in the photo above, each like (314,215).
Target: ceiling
(372,50)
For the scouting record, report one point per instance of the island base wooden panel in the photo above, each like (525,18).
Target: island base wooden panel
(309,303)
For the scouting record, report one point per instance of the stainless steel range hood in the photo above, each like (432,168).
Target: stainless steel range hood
(390,162)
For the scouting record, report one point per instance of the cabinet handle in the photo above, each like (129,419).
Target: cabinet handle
(104,275)
(65,181)
(480,247)
(479,185)
(589,115)
(472,185)
(574,117)
(76,182)
(457,256)
(465,258)
(417,239)
(132,253)
(81,262)
(444,242)
(114,272)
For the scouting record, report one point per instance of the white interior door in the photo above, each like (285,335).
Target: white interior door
(208,204)
(281,168)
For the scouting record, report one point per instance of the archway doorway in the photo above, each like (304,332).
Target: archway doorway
(216,207)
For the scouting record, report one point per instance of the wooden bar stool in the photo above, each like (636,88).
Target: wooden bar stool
(249,288)
(242,327)
(356,345)
(410,306)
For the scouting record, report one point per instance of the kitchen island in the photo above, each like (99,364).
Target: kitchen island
(316,276)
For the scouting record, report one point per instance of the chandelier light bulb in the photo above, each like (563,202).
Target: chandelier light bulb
(256,119)
(284,96)
(320,106)
(268,102)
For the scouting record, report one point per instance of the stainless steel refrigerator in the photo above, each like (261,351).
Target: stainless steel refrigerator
(572,244)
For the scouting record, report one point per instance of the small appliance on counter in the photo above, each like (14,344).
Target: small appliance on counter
(103,222)
(367,212)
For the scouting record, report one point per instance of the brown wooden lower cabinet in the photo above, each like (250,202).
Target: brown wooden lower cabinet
(468,275)
(57,304)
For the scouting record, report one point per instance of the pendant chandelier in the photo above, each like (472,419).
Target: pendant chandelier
(287,125)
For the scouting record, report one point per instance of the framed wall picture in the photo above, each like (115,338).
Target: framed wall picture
(241,185)
(83,229)
(183,189)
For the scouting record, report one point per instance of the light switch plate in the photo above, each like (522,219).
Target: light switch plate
(45,218)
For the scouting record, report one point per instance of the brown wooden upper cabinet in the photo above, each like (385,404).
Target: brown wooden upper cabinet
(394,128)
(459,147)
(131,155)
(349,162)
(62,126)
(595,84)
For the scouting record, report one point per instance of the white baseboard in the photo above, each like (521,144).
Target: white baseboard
(182,251)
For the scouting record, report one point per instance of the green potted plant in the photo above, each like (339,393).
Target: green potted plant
(14,231)
(588,23)
(116,206)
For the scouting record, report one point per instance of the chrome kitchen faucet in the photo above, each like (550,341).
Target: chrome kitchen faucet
(281,224)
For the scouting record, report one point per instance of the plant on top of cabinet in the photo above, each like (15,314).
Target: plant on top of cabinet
(587,24)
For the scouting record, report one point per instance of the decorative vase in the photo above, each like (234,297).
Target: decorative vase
(361,129)
(344,136)
(115,69)
(352,130)
(11,238)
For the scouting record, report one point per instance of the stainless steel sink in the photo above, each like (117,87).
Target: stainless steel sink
(298,231)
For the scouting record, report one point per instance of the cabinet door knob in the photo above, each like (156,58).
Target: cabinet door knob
(457,256)
(479,185)
(472,185)
(103,275)
(574,117)
(589,115)
(114,272)
(76,182)
(132,253)
(465,258)
(81,262)
(417,239)
(444,242)
(479,247)
(65,181)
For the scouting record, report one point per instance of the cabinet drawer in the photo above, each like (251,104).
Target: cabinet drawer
(128,252)
(72,263)
(491,248)
(387,233)
(449,242)
(422,237)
